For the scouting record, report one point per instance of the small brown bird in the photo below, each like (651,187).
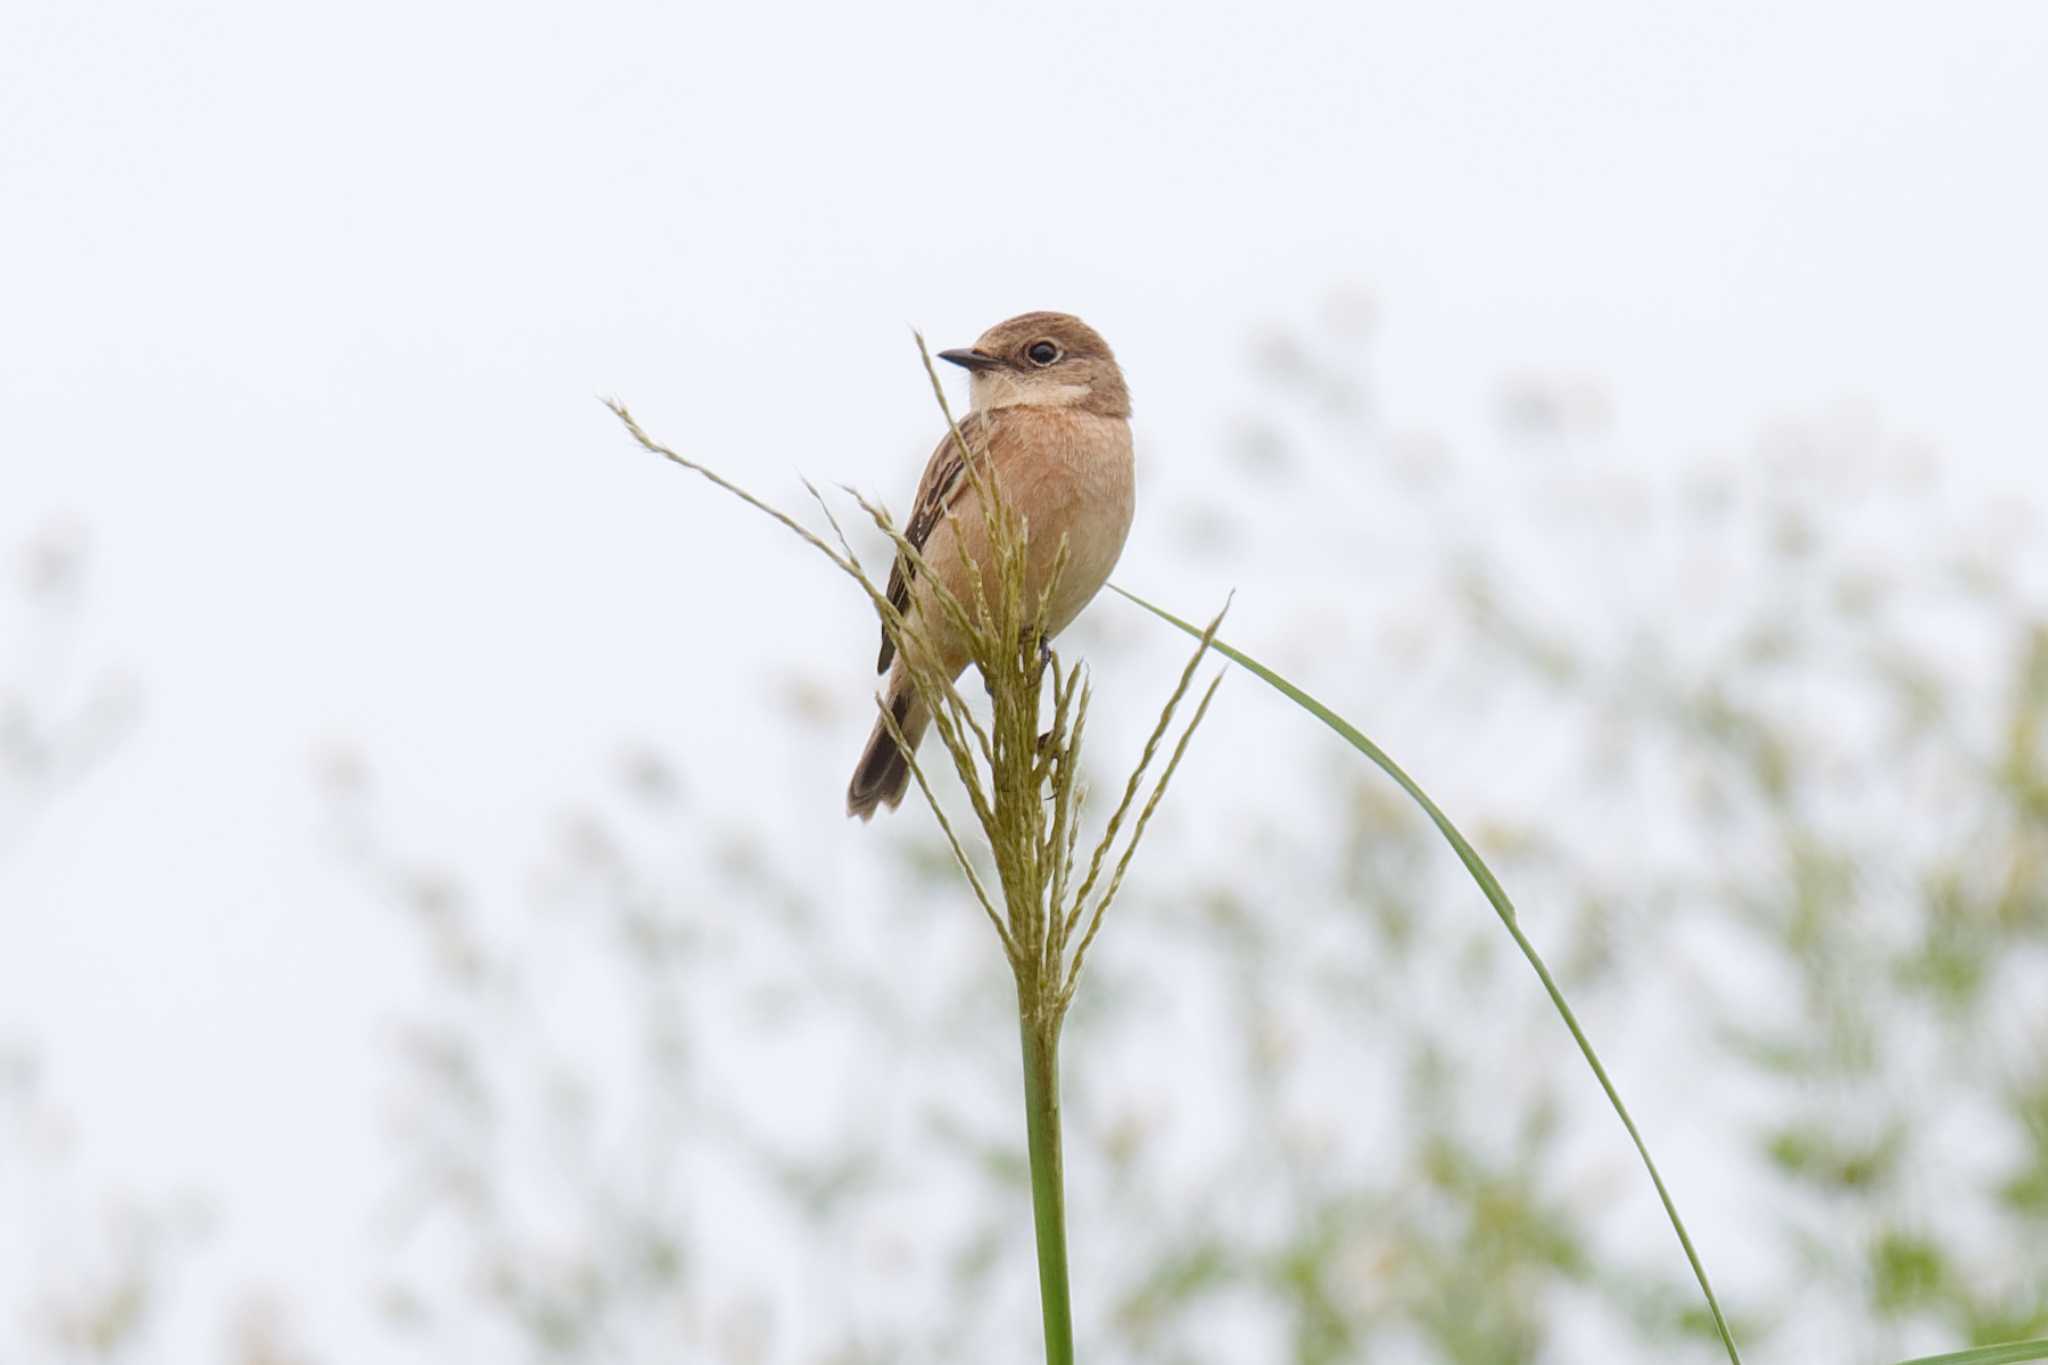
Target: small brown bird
(1050,407)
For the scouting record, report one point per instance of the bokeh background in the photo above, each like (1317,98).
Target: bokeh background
(428,930)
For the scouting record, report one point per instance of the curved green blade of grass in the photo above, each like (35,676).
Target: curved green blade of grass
(2005,1354)
(2036,1349)
(1503,907)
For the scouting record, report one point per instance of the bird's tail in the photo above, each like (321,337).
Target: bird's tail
(883,773)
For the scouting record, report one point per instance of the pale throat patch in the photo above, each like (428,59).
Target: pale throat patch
(988,389)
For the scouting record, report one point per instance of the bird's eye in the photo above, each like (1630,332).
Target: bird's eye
(1043,353)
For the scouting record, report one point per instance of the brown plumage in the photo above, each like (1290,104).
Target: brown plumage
(1050,407)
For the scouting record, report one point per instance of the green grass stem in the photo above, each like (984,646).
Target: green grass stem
(1048,1184)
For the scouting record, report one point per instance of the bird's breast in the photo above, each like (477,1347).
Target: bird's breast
(1071,475)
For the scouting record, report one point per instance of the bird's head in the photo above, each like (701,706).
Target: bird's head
(1043,360)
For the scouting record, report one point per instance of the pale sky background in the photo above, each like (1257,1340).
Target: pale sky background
(306,308)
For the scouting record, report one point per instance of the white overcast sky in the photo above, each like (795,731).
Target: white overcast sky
(303,309)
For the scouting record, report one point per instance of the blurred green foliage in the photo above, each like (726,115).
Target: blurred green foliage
(83,1270)
(1756,738)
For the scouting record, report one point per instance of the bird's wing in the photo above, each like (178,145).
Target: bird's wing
(944,478)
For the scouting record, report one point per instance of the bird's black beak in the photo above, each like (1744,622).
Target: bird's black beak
(970,360)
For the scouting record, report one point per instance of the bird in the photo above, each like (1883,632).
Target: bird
(1048,403)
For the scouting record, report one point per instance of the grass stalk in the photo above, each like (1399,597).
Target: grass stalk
(1012,771)
(1041,1038)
